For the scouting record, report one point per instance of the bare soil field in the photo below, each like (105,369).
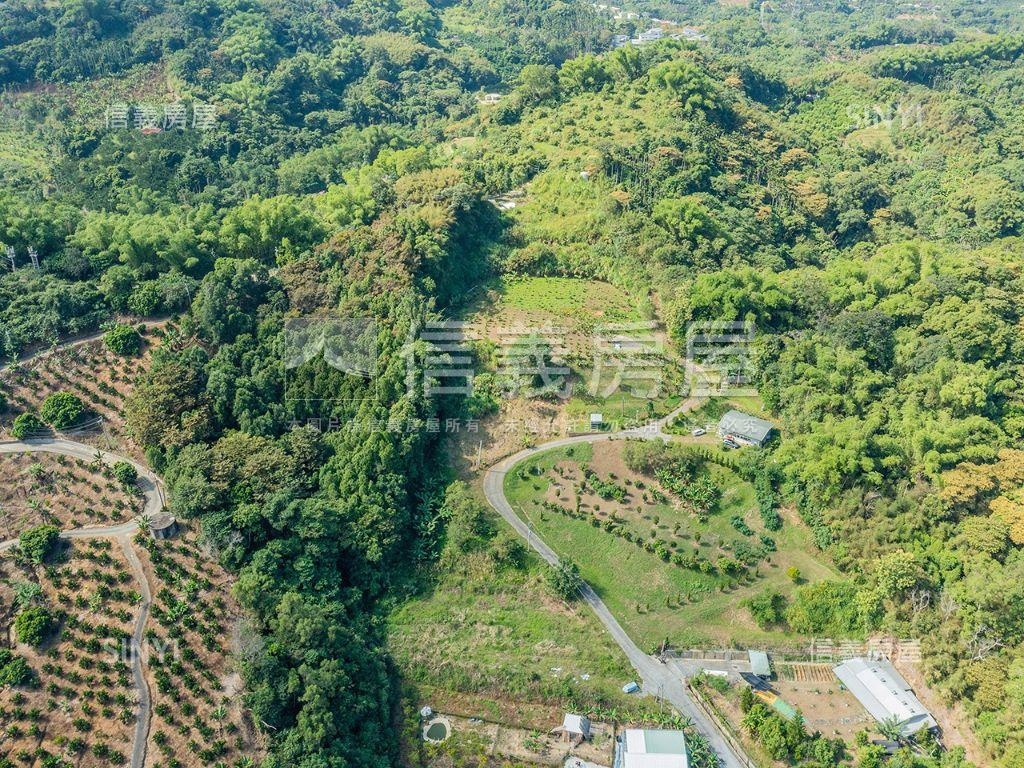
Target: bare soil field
(67,492)
(198,716)
(82,703)
(826,706)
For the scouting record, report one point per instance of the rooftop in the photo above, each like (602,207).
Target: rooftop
(745,425)
(576,724)
(654,749)
(884,693)
(759,663)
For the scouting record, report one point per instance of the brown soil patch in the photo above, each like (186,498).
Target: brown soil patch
(521,423)
(607,461)
(198,713)
(62,490)
(89,370)
(84,705)
(826,707)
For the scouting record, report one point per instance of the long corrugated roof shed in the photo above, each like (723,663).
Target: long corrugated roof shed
(884,693)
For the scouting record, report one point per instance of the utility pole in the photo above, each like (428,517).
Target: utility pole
(10,256)
(34,256)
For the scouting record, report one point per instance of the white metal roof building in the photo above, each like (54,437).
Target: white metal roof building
(574,726)
(884,693)
(652,749)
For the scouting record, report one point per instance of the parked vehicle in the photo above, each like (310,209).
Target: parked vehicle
(698,432)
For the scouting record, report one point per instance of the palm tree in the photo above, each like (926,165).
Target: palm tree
(36,470)
(26,593)
(890,728)
(219,713)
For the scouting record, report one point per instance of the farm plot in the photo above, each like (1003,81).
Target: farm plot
(101,379)
(198,715)
(63,491)
(70,621)
(548,355)
(674,558)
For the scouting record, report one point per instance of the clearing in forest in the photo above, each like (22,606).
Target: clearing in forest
(674,557)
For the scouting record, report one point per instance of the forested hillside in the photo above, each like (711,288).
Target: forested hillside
(852,182)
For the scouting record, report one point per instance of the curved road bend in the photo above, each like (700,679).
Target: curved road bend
(150,485)
(658,679)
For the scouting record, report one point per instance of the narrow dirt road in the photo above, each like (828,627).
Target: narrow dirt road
(150,485)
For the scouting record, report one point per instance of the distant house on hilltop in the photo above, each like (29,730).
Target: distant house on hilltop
(651,35)
(744,429)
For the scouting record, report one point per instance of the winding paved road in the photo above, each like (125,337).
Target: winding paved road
(151,489)
(659,680)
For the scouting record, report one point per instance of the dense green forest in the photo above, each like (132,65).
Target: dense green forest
(850,180)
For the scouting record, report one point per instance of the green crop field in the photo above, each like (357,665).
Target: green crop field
(653,599)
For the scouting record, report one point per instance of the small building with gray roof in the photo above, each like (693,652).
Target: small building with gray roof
(744,429)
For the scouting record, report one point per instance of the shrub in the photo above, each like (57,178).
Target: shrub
(771,518)
(25,424)
(740,525)
(33,625)
(768,608)
(508,551)
(14,670)
(125,473)
(37,543)
(565,580)
(827,609)
(123,340)
(61,409)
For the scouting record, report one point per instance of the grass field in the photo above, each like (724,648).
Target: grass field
(570,297)
(501,635)
(653,599)
(573,315)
